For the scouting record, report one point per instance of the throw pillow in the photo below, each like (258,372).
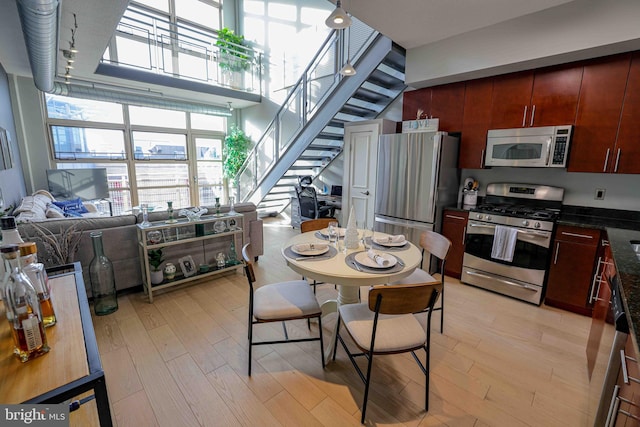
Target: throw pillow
(54,211)
(71,207)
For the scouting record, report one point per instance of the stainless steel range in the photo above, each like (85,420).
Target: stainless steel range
(509,238)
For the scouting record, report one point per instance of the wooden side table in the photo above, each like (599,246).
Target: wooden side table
(73,365)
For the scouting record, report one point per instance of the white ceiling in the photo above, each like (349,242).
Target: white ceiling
(410,23)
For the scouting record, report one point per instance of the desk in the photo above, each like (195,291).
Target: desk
(73,365)
(335,270)
(335,201)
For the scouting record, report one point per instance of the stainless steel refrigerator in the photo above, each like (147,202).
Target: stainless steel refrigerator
(417,177)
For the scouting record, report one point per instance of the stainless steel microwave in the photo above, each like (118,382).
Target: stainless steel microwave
(534,147)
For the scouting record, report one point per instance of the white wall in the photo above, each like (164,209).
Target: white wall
(577,30)
(11,182)
(622,191)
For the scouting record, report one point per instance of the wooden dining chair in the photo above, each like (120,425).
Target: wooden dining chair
(313,225)
(279,302)
(387,325)
(438,246)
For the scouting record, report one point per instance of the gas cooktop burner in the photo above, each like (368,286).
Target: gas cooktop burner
(519,211)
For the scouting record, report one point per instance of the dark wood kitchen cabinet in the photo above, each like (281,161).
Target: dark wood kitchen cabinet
(601,96)
(626,399)
(544,97)
(571,271)
(442,102)
(627,148)
(476,121)
(454,228)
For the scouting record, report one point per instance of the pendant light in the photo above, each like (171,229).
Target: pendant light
(338,18)
(347,69)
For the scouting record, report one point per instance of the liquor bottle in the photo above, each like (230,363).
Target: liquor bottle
(217,205)
(103,284)
(23,309)
(232,257)
(37,274)
(9,235)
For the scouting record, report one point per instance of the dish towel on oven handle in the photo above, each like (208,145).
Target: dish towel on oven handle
(504,243)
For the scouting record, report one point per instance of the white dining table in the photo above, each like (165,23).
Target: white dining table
(348,279)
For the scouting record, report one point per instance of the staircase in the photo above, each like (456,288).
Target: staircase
(305,144)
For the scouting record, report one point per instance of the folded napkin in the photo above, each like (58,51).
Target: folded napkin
(379,259)
(306,247)
(398,238)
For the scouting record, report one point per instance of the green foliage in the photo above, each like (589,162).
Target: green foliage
(232,56)
(236,149)
(155,258)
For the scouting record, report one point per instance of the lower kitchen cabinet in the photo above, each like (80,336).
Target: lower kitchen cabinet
(454,228)
(625,403)
(572,266)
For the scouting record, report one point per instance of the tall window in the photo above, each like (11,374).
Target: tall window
(151,155)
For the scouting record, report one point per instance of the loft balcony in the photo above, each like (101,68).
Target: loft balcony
(150,49)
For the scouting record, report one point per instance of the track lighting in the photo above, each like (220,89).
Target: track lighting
(338,18)
(230,107)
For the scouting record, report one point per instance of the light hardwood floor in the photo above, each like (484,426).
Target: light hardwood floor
(181,361)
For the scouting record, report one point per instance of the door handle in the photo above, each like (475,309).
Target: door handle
(606,160)
(615,168)
(366,193)
(533,114)
(524,116)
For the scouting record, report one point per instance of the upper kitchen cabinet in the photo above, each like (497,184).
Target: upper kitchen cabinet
(593,148)
(544,97)
(627,148)
(476,121)
(447,104)
(442,102)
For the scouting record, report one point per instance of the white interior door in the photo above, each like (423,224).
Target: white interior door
(361,156)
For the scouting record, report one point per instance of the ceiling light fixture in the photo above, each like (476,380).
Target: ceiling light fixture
(348,70)
(230,107)
(338,18)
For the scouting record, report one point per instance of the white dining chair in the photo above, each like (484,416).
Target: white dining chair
(279,302)
(387,325)
(438,246)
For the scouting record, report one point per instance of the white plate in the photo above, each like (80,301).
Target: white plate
(386,242)
(341,232)
(363,259)
(310,252)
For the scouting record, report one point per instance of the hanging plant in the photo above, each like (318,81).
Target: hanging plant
(233,56)
(236,149)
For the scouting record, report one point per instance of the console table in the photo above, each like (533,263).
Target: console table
(73,365)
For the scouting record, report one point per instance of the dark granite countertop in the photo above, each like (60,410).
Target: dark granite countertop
(599,218)
(628,269)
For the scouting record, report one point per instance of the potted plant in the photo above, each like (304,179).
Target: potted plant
(155,261)
(235,151)
(233,56)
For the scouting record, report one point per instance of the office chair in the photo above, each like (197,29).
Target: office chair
(310,208)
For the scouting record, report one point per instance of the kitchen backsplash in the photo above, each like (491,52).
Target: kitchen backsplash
(620,191)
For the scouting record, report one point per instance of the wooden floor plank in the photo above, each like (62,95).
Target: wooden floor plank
(183,361)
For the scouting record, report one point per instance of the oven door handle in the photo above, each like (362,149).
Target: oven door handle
(526,232)
(506,282)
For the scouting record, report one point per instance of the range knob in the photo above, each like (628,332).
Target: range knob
(478,216)
(488,217)
(536,225)
(525,223)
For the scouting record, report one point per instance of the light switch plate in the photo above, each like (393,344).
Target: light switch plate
(600,193)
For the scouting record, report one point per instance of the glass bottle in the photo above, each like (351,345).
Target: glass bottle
(231,204)
(22,308)
(145,215)
(103,284)
(217,205)
(170,212)
(232,258)
(37,274)
(9,235)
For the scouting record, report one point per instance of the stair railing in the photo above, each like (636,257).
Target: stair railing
(310,92)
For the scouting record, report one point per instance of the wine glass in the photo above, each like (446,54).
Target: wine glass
(367,238)
(333,232)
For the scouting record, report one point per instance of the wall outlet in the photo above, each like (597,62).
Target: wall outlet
(599,194)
